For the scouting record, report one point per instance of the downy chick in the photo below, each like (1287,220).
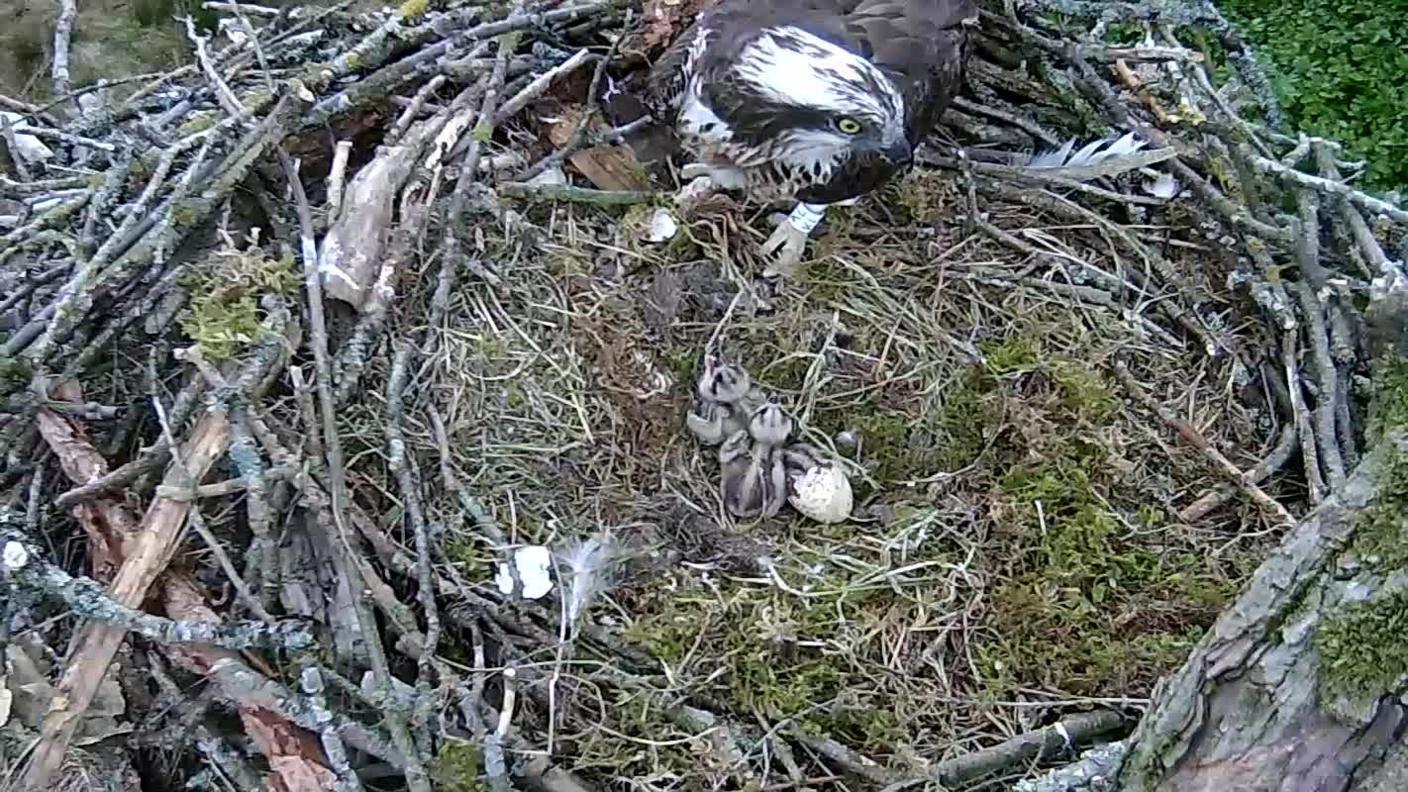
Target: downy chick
(770,424)
(753,481)
(724,396)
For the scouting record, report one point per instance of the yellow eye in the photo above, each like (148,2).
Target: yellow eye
(848,125)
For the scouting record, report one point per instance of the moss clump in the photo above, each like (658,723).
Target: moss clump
(412,10)
(456,767)
(1091,601)
(1361,649)
(900,447)
(1389,404)
(1381,537)
(1010,355)
(1083,390)
(924,197)
(1090,608)
(223,316)
(771,651)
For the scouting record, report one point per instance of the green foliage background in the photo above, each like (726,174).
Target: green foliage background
(1340,67)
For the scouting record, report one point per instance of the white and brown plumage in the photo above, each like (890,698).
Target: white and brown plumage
(821,101)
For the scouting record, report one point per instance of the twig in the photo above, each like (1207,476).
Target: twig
(63,31)
(1273,510)
(1326,186)
(96,644)
(539,85)
(495,765)
(1273,462)
(198,523)
(87,599)
(1027,748)
(571,194)
(416,776)
(404,121)
(7,131)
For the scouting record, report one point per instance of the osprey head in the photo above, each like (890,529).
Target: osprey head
(830,119)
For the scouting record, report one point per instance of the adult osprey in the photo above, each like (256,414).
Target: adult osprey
(816,100)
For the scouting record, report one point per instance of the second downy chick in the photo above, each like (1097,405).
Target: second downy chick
(724,397)
(754,473)
(753,480)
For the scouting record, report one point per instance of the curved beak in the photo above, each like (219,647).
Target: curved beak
(898,153)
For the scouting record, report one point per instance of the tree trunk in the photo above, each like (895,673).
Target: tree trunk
(1298,685)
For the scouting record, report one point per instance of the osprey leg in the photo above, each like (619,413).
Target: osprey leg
(789,239)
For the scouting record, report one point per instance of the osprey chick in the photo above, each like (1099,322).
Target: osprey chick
(816,100)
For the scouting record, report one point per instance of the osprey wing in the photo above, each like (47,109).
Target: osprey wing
(665,84)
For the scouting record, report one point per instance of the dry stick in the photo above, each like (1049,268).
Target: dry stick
(401,468)
(1327,385)
(63,31)
(1026,748)
(198,522)
(539,86)
(408,116)
(439,305)
(1326,186)
(95,645)
(1327,376)
(1301,416)
(416,776)
(336,177)
(1277,459)
(1273,509)
(579,136)
(8,132)
(85,598)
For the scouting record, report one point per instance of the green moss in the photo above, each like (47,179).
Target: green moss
(412,10)
(457,767)
(683,364)
(769,655)
(924,197)
(1389,404)
(1010,355)
(474,560)
(949,436)
(1089,607)
(1361,649)
(1083,390)
(223,316)
(1381,537)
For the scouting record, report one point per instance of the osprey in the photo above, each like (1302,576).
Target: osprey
(821,101)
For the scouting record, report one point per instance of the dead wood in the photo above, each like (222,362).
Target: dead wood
(500,411)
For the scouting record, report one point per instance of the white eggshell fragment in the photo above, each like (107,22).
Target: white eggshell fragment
(533,564)
(662,226)
(823,494)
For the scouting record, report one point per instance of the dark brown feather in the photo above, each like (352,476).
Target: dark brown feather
(922,46)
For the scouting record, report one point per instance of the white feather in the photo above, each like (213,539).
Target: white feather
(798,71)
(586,567)
(1089,154)
(1163,186)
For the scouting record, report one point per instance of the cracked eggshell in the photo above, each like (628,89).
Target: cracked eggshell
(823,494)
(533,564)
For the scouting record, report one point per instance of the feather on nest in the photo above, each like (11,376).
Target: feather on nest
(1102,158)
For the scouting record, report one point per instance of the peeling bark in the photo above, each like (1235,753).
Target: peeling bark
(1248,710)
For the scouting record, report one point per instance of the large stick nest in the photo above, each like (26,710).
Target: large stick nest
(404,302)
